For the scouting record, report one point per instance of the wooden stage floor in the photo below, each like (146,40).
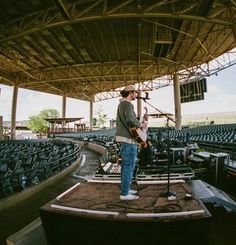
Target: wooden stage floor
(95,209)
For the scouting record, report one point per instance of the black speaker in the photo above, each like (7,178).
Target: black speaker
(177,156)
(218,161)
(193,91)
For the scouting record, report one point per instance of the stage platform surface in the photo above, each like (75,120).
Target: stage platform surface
(93,213)
(102,200)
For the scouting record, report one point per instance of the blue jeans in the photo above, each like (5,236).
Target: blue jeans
(128,154)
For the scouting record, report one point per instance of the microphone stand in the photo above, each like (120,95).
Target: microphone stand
(171,195)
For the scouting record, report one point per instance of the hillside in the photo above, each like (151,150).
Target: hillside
(201,119)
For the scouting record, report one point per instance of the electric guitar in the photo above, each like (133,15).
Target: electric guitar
(140,134)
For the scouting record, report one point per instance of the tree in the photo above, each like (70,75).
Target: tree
(100,118)
(94,121)
(38,123)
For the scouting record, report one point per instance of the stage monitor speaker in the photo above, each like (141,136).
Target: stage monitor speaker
(218,161)
(177,156)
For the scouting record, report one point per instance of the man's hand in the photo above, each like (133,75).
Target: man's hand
(144,125)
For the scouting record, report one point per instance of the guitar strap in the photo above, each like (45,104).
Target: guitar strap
(123,121)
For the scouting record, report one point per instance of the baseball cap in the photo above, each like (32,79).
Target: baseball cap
(129,88)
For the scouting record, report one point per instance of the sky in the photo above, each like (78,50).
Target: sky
(220,97)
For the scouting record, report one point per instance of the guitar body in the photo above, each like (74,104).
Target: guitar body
(140,135)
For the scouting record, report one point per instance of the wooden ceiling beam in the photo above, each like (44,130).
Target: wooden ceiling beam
(196,38)
(92,42)
(115,41)
(103,40)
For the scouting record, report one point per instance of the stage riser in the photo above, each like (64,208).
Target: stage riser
(65,228)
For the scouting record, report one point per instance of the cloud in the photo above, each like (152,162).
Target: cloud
(213,88)
(5,101)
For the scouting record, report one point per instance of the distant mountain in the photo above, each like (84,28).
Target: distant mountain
(18,123)
(200,119)
(209,118)
(215,114)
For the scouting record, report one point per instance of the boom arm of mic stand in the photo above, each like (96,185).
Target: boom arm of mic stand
(168,117)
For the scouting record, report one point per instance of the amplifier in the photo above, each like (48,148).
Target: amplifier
(191,150)
(218,163)
(177,156)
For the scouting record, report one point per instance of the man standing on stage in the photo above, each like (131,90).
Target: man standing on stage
(125,119)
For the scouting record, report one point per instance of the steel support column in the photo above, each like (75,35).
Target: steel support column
(13,112)
(139,106)
(63,106)
(177,105)
(63,109)
(234,31)
(91,114)
(1,127)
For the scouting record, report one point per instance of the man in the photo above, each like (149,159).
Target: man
(125,119)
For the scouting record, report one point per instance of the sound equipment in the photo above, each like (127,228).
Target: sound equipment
(193,90)
(177,155)
(218,162)
(153,173)
(191,150)
(143,98)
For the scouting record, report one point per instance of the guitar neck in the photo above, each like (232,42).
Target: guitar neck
(145,116)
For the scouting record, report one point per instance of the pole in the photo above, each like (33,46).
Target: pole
(168,156)
(171,195)
(176,86)
(13,112)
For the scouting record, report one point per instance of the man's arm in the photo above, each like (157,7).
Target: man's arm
(129,115)
(132,121)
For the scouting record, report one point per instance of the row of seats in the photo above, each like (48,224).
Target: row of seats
(223,135)
(39,160)
(213,133)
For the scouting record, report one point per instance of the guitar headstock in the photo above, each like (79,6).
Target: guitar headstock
(146,110)
(145,116)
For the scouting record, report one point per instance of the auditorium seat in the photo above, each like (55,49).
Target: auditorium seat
(17,179)
(31,161)
(3,168)
(6,188)
(32,175)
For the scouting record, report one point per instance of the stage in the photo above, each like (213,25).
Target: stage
(93,213)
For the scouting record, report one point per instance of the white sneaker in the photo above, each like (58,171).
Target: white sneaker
(132,192)
(128,197)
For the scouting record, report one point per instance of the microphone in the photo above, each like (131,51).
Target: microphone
(143,98)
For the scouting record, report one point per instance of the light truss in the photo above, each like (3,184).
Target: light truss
(186,75)
(207,69)
(91,49)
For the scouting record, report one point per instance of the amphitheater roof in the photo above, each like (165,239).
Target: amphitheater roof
(61,120)
(82,48)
